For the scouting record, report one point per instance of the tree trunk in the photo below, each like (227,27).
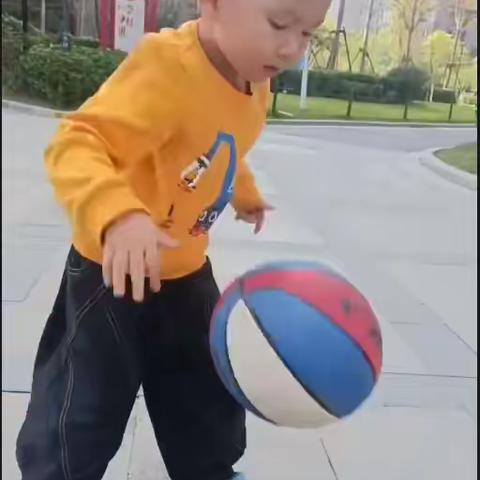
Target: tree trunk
(460,13)
(366,36)
(411,30)
(332,61)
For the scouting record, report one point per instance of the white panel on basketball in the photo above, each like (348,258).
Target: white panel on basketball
(265,380)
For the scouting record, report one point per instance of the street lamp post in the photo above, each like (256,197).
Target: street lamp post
(43,15)
(25,23)
(65,35)
(305,71)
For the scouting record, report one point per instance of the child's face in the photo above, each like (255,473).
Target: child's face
(261,38)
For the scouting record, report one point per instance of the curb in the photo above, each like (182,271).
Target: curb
(33,109)
(51,113)
(464,179)
(360,123)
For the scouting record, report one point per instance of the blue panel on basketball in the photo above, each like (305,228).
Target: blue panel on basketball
(296,344)
(300,334)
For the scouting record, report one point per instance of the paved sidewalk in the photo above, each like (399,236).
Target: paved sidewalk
(404,235)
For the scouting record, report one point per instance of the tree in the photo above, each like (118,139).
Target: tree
(321,45)
(355,42)
(384,50)
(464,12)
(410,15)
(437,51)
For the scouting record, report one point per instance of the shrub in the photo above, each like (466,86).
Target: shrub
(409,82)
(469,99)
(334,85)
(14,44)
(86,42)
(66,78)
(444,95)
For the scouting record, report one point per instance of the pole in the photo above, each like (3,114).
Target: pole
(43,16)
(25,16)
(367,35)
(305,71)
(65,34)
(344,33)
(25,23)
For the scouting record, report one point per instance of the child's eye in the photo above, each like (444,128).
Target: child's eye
(307,34)
(277,26)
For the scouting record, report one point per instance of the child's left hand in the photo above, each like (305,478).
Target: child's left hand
(255,217)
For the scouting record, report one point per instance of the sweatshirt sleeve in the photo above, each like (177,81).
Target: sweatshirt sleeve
(135,111)
(246,196)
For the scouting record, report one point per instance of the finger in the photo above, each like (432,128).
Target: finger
(119,272)
(137,273)
(268,208)
(247,217)
(165,241)
(152,259)
(260,223)
(107,264)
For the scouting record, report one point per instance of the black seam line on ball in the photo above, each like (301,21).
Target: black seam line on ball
(332,322)
(274,348)
(232,372)
(347,335)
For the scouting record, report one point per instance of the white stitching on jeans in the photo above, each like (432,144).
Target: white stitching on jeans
(83,311)
(68,394)
(113,324)
(62,422)
(98,292)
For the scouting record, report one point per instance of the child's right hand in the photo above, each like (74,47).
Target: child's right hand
(132,247)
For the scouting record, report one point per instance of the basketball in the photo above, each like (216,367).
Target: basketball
(296,344)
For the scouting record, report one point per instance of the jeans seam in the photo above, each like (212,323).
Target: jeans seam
(81,312)
(113,323)
(68,394)
(63,419)
(90,302)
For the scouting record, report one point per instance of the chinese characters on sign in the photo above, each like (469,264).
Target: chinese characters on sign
(129,23)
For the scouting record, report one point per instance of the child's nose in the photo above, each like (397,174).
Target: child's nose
(291,50)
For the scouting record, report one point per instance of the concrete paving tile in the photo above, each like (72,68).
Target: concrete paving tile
(403,443)
(273,453)
(14,407)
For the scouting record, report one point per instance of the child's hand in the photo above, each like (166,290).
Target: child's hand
(255,217)
(132,247)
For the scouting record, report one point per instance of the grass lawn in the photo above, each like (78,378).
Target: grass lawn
(463,157)
(331,108)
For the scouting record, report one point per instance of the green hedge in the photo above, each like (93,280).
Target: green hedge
(34,64)
(333,84)
(86,42)
(14,44)
(443,95)
(66,78)
(396,87)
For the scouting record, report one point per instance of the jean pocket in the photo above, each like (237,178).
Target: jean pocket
(77,264)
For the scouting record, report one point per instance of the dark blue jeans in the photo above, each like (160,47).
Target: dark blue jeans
(94,354)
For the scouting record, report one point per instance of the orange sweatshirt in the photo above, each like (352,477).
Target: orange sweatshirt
(166,134)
